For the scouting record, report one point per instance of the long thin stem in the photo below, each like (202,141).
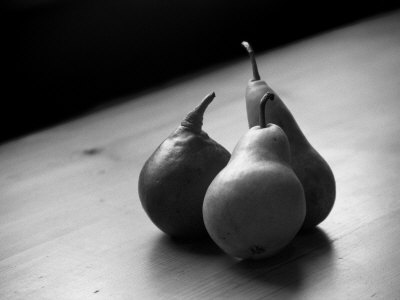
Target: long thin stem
(263,102)
(256,75)
(194,119)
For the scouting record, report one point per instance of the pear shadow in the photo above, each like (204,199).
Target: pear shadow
(204,246)
(189,267)
(289,268)
(184,261)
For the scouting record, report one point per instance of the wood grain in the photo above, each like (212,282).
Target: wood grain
(71,223)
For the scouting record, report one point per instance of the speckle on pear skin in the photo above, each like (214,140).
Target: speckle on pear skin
(257,249)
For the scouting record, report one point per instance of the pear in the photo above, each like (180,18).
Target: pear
(174,179)
(310,167)
(255,206)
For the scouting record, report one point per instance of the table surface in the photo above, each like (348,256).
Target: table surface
(71,223)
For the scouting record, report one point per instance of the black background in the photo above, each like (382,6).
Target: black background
(62,58)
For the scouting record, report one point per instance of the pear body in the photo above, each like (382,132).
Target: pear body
(310,167)
(174,180)
(255,206)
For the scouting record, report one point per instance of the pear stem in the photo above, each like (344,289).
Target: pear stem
(194,119)
(256,75)
(263,102)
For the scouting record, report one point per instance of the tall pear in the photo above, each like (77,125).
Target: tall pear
(175,178)
(255,206)
(310,167)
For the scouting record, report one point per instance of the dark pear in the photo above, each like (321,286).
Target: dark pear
(175,178)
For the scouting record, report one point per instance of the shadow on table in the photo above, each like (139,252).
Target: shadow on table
(309,251)
(204,246)
(310,254)
(200,269)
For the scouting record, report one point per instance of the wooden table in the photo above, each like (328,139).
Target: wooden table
(72,227)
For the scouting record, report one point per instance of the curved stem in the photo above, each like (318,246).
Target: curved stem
(263,102)
(194,119)
(256,75)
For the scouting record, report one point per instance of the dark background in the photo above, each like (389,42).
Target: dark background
(63,58)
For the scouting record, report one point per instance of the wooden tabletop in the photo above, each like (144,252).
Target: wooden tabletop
(71,223)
